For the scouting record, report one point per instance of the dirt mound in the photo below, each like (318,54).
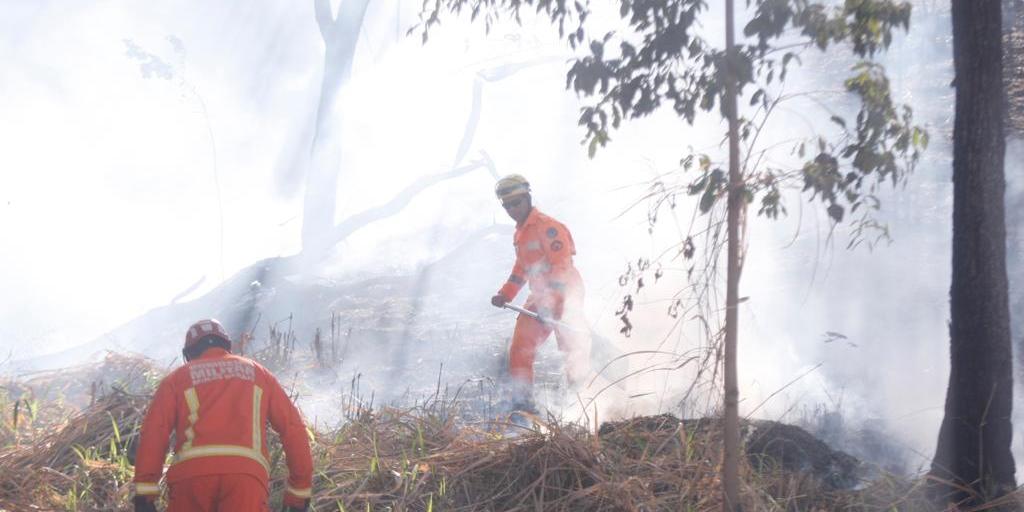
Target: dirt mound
(770,444)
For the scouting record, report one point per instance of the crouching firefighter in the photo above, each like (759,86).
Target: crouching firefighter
(544,249)
(218,405)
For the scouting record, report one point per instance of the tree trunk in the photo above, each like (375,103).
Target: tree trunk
(974,440)
(1013,65)
(340,34)
(730,466)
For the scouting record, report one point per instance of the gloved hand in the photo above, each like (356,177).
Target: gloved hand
(142,504)
(499,300)
(303,508)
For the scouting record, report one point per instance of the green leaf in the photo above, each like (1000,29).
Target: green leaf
(715,182)
(836,212)
(705,162)
(747,194)
(687,162)
(758,94)
(920,138)
(707,200)
(698,186)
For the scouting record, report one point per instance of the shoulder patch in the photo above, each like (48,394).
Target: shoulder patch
(556,245)
(552,232)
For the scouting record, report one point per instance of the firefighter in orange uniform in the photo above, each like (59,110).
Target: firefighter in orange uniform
(544,250)
(218,405)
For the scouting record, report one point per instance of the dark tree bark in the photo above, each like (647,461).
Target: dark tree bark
(974,439)
(1013,65)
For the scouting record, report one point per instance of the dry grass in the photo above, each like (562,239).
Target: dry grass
(432,457)
(65,442)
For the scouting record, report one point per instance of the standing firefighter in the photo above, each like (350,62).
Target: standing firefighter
(544,251)
(218,405)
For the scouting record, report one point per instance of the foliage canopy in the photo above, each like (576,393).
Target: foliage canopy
(663,58)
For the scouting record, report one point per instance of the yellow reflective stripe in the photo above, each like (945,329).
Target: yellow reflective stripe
(257,427)
(220,450)
(192,399)
(145,489)
(300,493)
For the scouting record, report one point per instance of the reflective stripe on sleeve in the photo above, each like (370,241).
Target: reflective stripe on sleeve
(146,489)
(300,493)
(516,279)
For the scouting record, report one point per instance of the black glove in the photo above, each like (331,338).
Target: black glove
(144,505)
(499,300)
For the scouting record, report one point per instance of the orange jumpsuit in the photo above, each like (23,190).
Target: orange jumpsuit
(544,251)
(218,406)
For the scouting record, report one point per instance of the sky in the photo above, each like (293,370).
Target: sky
(147,147)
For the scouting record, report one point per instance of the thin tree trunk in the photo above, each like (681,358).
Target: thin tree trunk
(974,439)
(730,467)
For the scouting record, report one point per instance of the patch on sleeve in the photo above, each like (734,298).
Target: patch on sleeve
(552,232)
(556,245)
